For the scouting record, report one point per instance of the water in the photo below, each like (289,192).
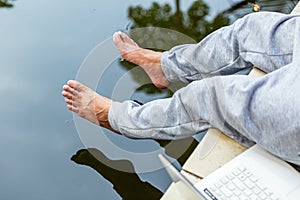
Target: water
(42,45)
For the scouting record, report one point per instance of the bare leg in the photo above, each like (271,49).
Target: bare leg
(87,103)
(149,60)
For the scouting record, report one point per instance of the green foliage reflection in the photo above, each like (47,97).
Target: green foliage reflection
(197,21)
(6,3)
(192,22)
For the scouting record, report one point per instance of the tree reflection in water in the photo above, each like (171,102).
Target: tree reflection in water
(6,3)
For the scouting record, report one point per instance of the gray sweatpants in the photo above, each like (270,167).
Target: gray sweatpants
(263,110)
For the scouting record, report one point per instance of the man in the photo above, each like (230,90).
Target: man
(263,110)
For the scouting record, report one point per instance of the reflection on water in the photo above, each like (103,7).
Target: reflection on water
(127,184)
(52,37)
(193,22)
(196,23)
(6,3)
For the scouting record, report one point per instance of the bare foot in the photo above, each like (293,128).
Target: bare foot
(87,103)
(149,60)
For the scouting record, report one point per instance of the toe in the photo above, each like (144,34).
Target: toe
(117,38)
(72,108)
(72,83)
(75,85)
(69,101)
(116,35)
(67,95)
(69,89)
(127,39)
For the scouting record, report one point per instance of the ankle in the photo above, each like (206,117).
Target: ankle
(153,56)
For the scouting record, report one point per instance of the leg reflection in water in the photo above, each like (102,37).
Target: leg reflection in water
(128,185)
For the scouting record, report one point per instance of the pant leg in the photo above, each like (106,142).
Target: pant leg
(260,39)
(264,110)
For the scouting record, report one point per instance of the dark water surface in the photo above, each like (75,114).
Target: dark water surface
(42,45)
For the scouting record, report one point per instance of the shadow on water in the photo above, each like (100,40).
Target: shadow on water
(196,22)
(128,185)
